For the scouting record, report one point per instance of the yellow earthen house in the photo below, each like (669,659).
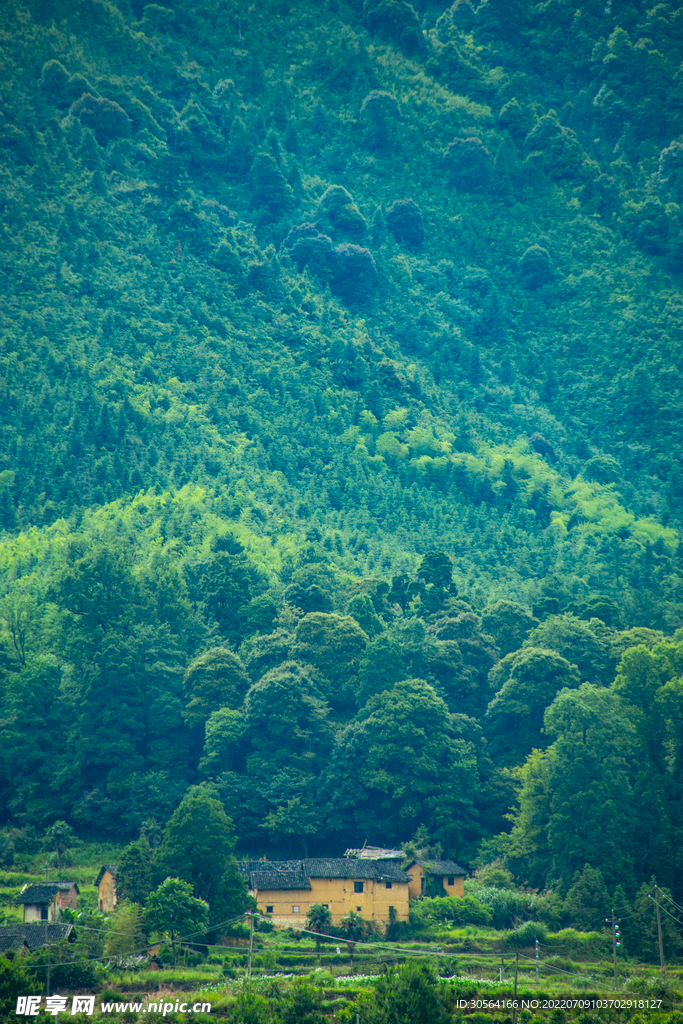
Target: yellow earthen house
(285,891)
(106,887)
(435,877)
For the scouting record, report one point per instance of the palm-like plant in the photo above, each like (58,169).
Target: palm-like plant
(319,920)
(355,929)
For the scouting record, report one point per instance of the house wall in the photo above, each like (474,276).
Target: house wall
(32,912)
(458,887)
(416,884)
(340,896)
(417,888)
(68,898)
(106,892)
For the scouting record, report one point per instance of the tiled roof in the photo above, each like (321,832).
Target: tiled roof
(278,880)
(15,936)
(44,893)
(347,867)
(390,871)
(318,867)
(247,866)
(38,893)
(439,867)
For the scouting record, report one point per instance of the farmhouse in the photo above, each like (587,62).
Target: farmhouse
(377,890)
(45,902)
(105,884)
(435,878)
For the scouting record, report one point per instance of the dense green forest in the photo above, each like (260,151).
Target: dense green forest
(340,473)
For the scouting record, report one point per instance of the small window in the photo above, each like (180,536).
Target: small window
(43,913)
(359,909)
(451,879)
(269,910)
(326,906)
(357,886)
(388,884)
(422,884)
(295,910)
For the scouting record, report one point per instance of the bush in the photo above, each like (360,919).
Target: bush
(468,163)
(453,909)
(536,267)
(580,945)
(404,220)
(526,935)
(355,276)
(337,205)
(15,980)
(508,906)
(107,119)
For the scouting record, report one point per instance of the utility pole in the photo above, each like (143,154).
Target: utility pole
(616,941)
(501,969)
(251,943)
(514,1008)
(536,945)
(47,983)
(659,935)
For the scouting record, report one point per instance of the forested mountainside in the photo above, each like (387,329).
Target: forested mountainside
(341,428)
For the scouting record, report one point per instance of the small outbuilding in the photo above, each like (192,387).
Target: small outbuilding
(106,887)
(435,877)
(44,902)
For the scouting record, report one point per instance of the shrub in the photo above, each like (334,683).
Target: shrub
(355,275)
(508,906)
(396,21)
(536,267)
(107,119)
(526,935)
(404,220)
(379,115)
(468,163)
(338,207)
(453,909)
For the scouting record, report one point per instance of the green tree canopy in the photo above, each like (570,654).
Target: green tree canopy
(212,681)
(527,682)
(286,719)
(578,642)
(197,846)
(134,873)
(508,623)
(174,911)
(334,645)
(577,803)
(403,758)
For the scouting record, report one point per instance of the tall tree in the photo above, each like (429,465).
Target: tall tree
(576,805)
(197,846)
(174,911)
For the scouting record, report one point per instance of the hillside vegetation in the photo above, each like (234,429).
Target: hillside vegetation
(341,429)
